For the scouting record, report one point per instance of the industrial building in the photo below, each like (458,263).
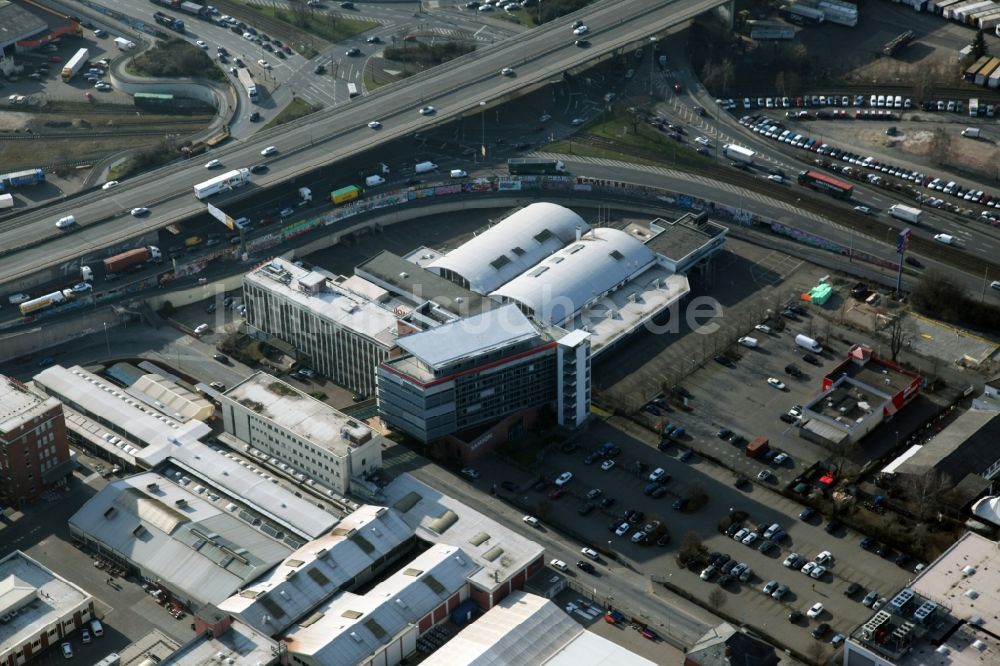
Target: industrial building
(38,609)
(321,444)
(858,394)
(341,327)
(528,629)
(946,615)
(34,452)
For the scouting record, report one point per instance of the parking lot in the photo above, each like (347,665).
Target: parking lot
(626,481)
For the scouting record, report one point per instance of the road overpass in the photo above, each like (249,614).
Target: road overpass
(33,243)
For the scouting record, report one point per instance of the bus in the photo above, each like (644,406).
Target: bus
(352,90)
(823,183)
(243,74)
(345,194)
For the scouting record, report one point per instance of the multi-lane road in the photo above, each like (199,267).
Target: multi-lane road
(323,138)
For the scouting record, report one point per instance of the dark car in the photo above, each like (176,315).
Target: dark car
(765,546)
(809,358)
(254,116)
(821,630)
(795,616)
(733,529)
(807,513)
(319,69)
(586,566)
(663,540)
(724,580)
(913,261)
(681,503)
(258,168)
(725,433)
(867,543)
(741,482)
(833,526)
(221,358)
(509,486)
(788,418)
(722,359)
(728,566)
(659,492)
(793,370)
(607,502)
(522,145)
(852,589)
(738,440)
(582,43)
(585,509)
(353,51)
(636,517)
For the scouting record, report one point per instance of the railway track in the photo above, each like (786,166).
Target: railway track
(37,136)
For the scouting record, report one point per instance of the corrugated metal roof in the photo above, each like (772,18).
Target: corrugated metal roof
(563,283)
(512,246)
(195,556)
(354,626)
(471,336)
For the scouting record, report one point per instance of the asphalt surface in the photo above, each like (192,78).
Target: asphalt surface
(327,137)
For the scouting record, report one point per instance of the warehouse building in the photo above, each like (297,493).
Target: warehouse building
(319,442)
(38,608)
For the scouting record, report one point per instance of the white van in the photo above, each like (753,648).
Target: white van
(806,342)
(373,181)
(66,222)
(458,173)
(747,341)
(945,238)
(96,628)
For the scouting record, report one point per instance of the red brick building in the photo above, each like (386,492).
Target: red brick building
(34,453)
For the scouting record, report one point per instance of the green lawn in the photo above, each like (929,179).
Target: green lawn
(324,26)
(297,108)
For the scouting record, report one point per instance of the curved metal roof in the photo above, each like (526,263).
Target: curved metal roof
(561,285)
(512,246)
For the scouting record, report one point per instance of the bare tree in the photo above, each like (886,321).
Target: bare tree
(927,492)
(898,337)
(691,548)
(717,598)
(940,147)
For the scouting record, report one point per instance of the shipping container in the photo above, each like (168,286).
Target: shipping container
(970,73)
(983,75)
(345,194)
(757,447)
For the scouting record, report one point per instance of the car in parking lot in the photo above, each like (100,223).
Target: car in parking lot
(740,534)
(769,587)
(622,529)
(870,598)
(67,650)
(468,472)
(821,630)
(563,478)
(607,465)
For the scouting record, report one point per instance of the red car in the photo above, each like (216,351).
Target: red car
(557,493)
(677,87)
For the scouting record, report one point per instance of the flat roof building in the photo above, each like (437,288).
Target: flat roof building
(314,438)
(39,608)
(236,645)
(342,332)
(34,451)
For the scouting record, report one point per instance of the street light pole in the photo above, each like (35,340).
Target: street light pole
(107,340)
(482,117)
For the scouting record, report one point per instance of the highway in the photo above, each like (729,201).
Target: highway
(329,136)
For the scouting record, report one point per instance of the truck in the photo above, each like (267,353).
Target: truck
(757,447)
(534,165)
(227,181)
(173,4)
(243,74)
(738,153)
(972,133)
(6,201)
(374,181)
(48,300)
(124,44)
(75,64)
(806,342)
(906,213)
(22,178)
(424,167)
(796,13)
(194,9)
(345,194)
(305,196)
(174,24)
(130,259)
(974,107)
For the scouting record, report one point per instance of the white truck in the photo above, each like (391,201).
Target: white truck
(906,213)
(972,133)
(738,153)
(225,182)
(124,44)
(6,201)
(373,181)
(424,167)
(305,196)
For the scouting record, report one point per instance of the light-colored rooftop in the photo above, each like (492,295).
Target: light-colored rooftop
(240,643)
(479,334)
(966,579)
(319,569)
(180,537)
(529,630)
(299,413)
(18,405)
(438,518)
(351,627)
(511,246)
(39,596)
(565,282)
(172,398)
(317,291)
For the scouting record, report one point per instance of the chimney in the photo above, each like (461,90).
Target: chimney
(578,233)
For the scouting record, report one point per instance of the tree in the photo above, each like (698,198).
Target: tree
(978,45)
(691,550)
(940,147)
(897,336)
(717,598)
(927,492)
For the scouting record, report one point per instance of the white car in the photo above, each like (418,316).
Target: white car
(707,572)
(817,571)
(270,150)
(808,567)
(791,560)
(657,474)
(507,71)
(558,564)
(581,30)
(67,650)
(374,125)
(740,534)
(775,178)
(545,118)
(703,140)
(589,552)
(202,43)
(607,465)
(213,164)
(622,529)
(780,458)
(139,212)
(81,287)
(564,478)
(576,121)
(427,110)
(823,558)
(108,185)
(815,610)
(749,539)
(776,383)
(763,328)
(530,520)
(263,63)
(769,587)
(470,472)
(66,222)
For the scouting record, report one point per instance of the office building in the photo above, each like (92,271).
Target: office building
(320,443)
(34,453)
